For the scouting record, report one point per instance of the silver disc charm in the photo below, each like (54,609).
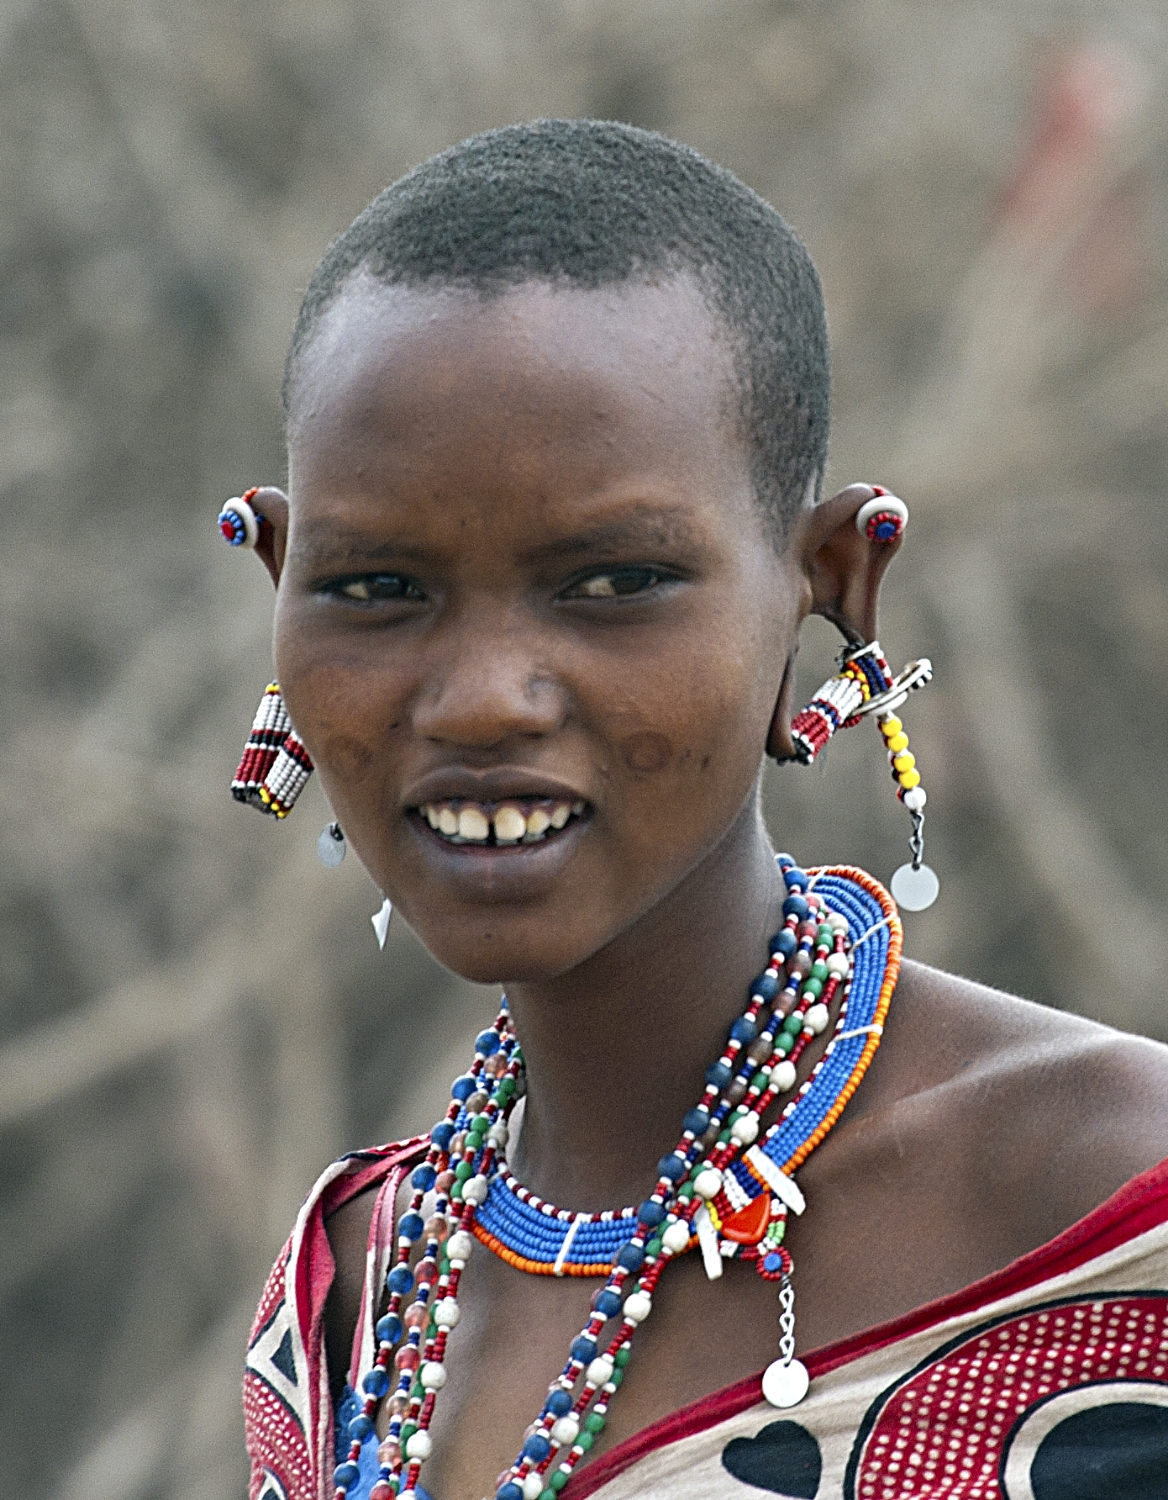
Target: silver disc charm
(785,1385)
(330,847)
(915,889)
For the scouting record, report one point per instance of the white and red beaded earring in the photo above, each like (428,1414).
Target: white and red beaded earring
(864,685)
(275,766)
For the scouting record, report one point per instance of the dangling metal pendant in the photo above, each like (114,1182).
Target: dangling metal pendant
(915,887)
(331,845)
(785,1382)
(785,1385)
(380,920)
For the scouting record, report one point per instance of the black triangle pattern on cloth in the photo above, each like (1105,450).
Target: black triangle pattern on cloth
(277,1358)
(284,1360)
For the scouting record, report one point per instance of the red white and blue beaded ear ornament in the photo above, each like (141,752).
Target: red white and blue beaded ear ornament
(864,685)
(276,766)
(239,521)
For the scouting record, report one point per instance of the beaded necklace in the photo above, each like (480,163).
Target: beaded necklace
(721,1188)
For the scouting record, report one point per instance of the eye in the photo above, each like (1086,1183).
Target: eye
(616,583)
(374,588)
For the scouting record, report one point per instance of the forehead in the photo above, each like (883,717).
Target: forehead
(533,378)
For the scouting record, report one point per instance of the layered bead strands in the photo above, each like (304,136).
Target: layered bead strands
(863,674)
(462,1148)
(840,942)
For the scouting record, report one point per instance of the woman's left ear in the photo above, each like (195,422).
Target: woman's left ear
(845,563)
(844,567)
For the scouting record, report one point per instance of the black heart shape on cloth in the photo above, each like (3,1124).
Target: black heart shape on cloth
(783,1458)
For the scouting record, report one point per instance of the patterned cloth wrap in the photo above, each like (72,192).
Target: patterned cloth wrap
(1045,1381)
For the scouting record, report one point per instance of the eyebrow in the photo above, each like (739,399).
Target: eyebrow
(324,543)
(645,526)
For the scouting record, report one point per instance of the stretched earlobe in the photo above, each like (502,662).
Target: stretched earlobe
(780,744)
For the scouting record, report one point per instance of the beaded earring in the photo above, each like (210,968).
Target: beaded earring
(864,685)
(275,767)
(239,521)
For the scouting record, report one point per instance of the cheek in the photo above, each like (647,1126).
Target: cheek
(703,725)
(646,753)
(343,712)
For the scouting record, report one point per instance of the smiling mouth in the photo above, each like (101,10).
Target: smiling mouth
(500,824)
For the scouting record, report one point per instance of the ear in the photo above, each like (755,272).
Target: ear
(272,505)
(843,571)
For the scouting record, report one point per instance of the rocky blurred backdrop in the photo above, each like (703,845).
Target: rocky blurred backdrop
(195,1017)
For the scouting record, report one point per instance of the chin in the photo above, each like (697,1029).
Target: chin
(502,952)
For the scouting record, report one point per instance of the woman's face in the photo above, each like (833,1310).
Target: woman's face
(529,624)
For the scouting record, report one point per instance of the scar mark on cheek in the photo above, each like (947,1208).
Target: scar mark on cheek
(349,758)
(646,753)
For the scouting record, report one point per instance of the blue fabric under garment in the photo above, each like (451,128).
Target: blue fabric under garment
(350,1407)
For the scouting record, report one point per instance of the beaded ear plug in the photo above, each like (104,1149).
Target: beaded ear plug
(864,685)
(239,521)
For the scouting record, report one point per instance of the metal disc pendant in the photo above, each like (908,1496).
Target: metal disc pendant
(330,847)
(915,889)
(785,1385)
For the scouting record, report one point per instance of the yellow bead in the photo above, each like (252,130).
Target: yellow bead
(890,726)
(898,742)
(909,779)
(905,761)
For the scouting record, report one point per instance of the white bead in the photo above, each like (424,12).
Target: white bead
(708,1183)
(600,1370)
(459,1245)
(565,1431)
(498,1135)
(914,799)
(837,921)
(533,1486)
(745,1129)
(816,1018)
(447,1313)
(432,1375)
(783,1076)
(638,1306)
(838,964)
(475,1190)
(676,1237)
(420,1446)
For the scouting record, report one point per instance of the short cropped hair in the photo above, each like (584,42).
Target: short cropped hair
(589,204)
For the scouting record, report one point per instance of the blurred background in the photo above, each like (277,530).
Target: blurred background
(195,1016)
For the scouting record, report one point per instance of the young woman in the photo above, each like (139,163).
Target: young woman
(557,419)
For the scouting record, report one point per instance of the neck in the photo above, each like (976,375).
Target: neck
(616,1050)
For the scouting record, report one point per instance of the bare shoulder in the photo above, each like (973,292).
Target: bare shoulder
(1054,1106)
(348,1234)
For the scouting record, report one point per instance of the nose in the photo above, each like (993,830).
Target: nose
(486,687)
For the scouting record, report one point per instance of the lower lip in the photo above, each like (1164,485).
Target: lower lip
(505,871)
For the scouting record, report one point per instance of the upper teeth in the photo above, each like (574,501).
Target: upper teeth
(473,823)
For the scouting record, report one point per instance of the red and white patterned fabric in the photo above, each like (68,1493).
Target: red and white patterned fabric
(1045,1381)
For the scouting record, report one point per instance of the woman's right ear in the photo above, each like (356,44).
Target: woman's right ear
(271,507)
